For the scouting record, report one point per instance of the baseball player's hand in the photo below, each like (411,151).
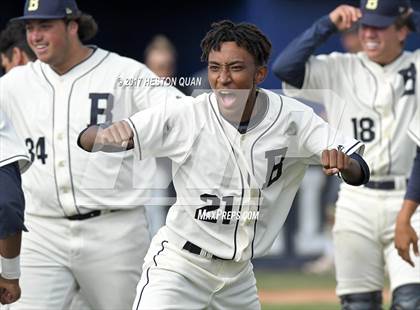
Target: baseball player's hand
(115,138)
(344,16)
(405,235)
(9,291)
(334,161)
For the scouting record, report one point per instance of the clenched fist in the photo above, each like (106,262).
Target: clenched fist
(115,138)
(9,291)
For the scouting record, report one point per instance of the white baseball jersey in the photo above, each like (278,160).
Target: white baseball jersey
(49,110)
(11,147)
(380,106)
(373,103)
(234,190)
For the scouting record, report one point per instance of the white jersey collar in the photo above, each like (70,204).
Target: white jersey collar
(377,68)
(81,68)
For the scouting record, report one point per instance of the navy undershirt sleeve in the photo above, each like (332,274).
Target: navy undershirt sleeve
(413,188)
(12,201)
(289,65)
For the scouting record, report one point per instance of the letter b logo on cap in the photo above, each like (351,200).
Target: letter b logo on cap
(33,5)
(371,4)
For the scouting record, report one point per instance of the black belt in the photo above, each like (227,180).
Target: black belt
(192,248)
(89,215)
(381,184)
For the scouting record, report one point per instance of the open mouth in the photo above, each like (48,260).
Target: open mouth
(227,97)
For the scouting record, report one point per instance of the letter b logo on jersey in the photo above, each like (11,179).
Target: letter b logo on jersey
(33,5)
(409,76)
(274,169)
(101,108)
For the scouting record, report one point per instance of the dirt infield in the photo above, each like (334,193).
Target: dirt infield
(301,296)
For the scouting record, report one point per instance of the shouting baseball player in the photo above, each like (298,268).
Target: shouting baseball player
(13,161)
(86,221)
(239,154)
(380,92)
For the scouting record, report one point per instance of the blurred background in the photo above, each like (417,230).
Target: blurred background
(126,27)
(300,263)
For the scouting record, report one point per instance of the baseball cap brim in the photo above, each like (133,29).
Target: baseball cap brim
(28,17)
(376,20)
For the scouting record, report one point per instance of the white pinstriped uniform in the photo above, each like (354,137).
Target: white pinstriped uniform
(223,180)
(379,105)
(49,110)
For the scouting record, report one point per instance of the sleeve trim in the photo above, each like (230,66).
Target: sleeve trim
(136,134)
(414,137)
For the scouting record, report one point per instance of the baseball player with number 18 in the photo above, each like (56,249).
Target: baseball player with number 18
(239,155)
(379,89)
(87,224)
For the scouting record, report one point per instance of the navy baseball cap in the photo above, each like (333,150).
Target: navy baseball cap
(382,13)
(49,9)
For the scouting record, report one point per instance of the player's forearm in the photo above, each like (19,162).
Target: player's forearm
(353,175)
(10,247)
(87,138)
(289,66)
(10,259)
(358,172)
(407,210)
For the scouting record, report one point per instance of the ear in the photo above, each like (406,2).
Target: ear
(25,58)
(73,27)
(261,74)
(403,33)
(17,56)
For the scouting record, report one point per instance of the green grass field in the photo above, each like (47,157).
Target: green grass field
(291,282)
(280,280)
(295,280)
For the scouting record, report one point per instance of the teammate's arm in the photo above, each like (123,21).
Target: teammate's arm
(11,226)
(405,235)
(289,66)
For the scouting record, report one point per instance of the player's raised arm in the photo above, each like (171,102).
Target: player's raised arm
(289,65)
(117,137)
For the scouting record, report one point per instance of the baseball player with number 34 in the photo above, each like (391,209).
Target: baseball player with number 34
(379,87)
(239,154)
(87,223)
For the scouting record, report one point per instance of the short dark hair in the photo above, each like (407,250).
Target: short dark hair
(245,35)
(14,35)
(88,28)
(402,21)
